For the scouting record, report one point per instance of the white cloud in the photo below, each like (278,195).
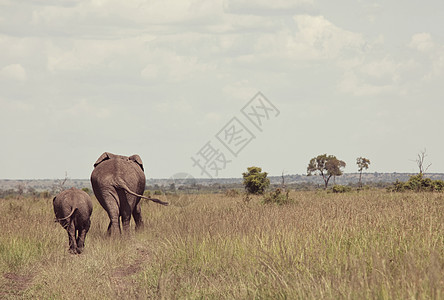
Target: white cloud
(322,39)
(422,42)
(267,7)
(150,72)
(367,76)
(104,19)
(307,38)
(432,55)
(16,107)
(81,54)
(83,107)
(185,65)
(351,83)
(384,70)
(168,66)
(14,72)
(372,10)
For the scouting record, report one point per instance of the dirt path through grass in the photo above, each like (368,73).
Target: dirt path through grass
(13,284)
(121,276)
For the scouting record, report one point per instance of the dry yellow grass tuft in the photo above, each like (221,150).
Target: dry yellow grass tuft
(371,244)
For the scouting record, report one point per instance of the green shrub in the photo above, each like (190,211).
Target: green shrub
(417,183)
(341,189)
(397,186)
(278,196)
(157,192)
(255,181)
(438,185)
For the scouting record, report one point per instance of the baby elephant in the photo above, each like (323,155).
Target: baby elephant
(73,210)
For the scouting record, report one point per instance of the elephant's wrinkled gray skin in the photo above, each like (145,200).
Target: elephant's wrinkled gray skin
(73,210)
(118,183)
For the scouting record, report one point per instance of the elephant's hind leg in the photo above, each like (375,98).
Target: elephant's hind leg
(71,229)
(125,211)
(137,215)
(114,225)
(111,205)
(82,235)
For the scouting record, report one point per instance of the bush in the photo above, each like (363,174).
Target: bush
(341,189)
(417,183)
(157,192)
(398,186)
(256,181)
(438,185)
(278,196)
(231,193)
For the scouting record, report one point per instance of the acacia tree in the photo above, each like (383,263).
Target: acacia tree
(362,163)
(326,166)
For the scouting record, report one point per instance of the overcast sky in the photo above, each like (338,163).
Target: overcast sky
(174,81)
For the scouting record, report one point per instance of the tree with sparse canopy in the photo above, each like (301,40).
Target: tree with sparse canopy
(420,161)
(326,166)
(362,163)
(255,181)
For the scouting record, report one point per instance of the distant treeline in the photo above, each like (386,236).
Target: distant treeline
(48,188)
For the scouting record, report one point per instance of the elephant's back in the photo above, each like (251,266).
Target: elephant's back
(85,208)
(113,171)
(105,173)
(84,202)
(134,177)
(68,200)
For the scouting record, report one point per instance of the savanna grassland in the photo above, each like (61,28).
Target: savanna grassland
(367,245)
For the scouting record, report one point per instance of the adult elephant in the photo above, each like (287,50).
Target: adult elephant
(118,183)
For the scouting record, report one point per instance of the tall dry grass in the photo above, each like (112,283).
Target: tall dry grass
(368,245)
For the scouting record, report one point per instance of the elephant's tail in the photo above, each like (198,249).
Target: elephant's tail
(67,217)
(123,186)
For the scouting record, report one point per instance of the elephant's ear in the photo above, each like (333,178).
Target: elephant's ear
(136,158)
(102,158)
